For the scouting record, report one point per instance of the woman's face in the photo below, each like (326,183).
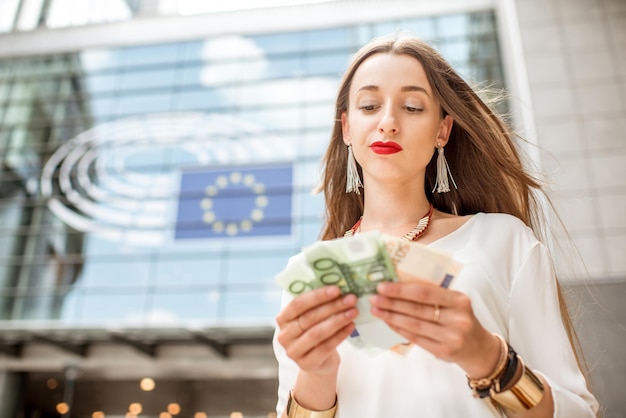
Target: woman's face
(393,121)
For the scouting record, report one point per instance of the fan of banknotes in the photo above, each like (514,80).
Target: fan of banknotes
(357,264)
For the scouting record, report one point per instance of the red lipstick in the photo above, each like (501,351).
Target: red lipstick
(387,147)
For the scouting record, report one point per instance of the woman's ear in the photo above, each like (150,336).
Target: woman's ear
(345,129)
(445,127)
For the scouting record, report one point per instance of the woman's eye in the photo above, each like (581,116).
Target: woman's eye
(367,108)
(412,109)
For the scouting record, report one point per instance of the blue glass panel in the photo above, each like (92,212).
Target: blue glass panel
(387,28)
(279,42)
(172,305)
(315,142)
(319,116)
(16,114)
(326,39)
(260,306)
(311,205)
(279,67)
(119,273)
(484,49)
(72,307)
(97,60)
(190,75)
(183,270)
(455,51)
(279,118)
(163,78)
(191,51)
(332,64)
(150,55)
(203,98)
(270,92)
(5,88)
(96,246)
(102,107)
(7,68)
(143,103)
(423,28)
(106,82)
(113,307)
(259,268)
(482,23)
(310,230)
(451,26)
(360,35)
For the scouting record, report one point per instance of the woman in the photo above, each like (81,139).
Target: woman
(496,343)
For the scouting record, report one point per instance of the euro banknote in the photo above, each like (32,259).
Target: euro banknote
(357,265)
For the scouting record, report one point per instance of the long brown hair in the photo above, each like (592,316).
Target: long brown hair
(481,153)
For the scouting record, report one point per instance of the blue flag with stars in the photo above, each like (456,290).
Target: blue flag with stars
(235,202)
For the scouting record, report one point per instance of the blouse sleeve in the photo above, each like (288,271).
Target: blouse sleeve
(537,333)
(287,368)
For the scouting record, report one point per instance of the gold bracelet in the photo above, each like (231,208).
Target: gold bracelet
(525,393)
(295,410)
(487,382)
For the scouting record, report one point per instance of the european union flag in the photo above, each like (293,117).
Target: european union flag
(235,202)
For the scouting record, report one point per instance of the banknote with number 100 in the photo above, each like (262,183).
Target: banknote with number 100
(357,265)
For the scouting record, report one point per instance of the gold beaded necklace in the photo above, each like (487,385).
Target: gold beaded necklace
(412,235)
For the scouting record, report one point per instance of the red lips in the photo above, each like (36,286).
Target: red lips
(387,147)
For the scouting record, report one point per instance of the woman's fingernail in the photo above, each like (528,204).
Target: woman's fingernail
(332,290)
(351,313)
(375,300)
(349,299)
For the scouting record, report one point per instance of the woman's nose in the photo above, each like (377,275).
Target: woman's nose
(387,124)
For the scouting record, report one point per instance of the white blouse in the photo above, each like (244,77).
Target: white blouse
(508,275)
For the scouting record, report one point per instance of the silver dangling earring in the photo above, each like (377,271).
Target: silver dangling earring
(353,181)
(443,169)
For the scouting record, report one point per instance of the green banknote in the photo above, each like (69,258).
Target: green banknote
(357,264)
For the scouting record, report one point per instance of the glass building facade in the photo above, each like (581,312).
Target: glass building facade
(165,185)
(91,238)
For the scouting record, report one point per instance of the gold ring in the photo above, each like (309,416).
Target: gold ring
(300,326)
(436,314)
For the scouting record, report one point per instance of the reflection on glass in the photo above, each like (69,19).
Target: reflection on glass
(63,13)
(116,273)
(326,64)
(172,306)
(185,270)
(423,27)
(326,39)
(280,43)
(143,103)
(452,26)
(241,99)
(256,307)
(8,9)
(121,309)
(150,55)
(148,79)
(255,269)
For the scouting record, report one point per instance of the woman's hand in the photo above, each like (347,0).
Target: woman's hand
(313,325)
(439,320)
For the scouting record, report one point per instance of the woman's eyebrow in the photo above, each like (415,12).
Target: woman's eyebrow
(414,88)
(404,89)
(369,87)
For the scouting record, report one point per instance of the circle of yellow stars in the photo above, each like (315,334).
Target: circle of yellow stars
(222,182)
